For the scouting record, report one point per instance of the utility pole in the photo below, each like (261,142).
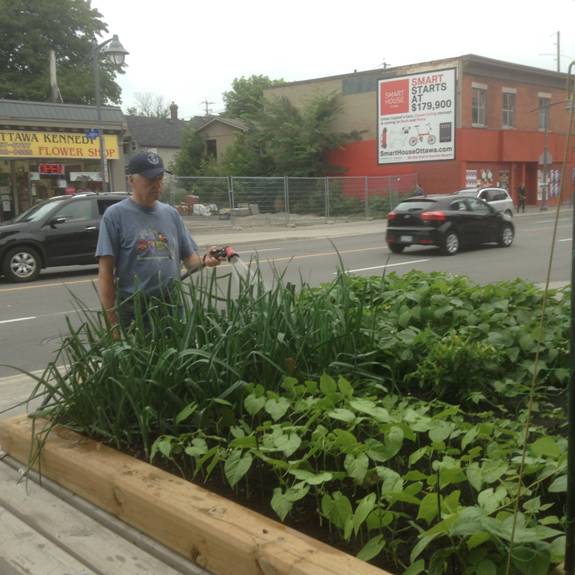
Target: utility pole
(558,51)
(206,104)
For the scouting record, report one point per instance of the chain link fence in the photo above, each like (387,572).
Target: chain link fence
(220,202)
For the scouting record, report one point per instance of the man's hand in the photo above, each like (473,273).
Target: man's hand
(211,259)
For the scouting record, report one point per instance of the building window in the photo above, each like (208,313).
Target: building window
(212,149)
(543,113)
(478,107)
(508,110)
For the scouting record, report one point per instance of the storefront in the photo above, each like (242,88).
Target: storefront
(53,149)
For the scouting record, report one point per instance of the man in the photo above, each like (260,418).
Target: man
(142,243)
(521,197)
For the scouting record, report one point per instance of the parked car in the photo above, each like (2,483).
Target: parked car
(448,222)
(499,198)
(61,231)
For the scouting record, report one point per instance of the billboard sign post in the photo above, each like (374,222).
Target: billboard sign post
(416,117)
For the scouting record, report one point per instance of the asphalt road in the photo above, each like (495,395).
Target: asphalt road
(33,316)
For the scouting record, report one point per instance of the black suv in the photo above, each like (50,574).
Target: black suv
(61,231)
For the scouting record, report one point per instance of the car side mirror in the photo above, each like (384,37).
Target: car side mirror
(58,220)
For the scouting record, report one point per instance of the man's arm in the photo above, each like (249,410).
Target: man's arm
(107,288)
(195,261)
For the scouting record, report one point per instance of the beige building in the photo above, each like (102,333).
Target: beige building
(164,135)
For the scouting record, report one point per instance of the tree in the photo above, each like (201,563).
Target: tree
(192,155)
(149,105)
(246,98)
(30,28)
(288,140)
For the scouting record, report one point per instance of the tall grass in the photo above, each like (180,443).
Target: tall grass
(203,348)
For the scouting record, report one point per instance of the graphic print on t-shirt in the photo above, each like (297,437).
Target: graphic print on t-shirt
(152,244)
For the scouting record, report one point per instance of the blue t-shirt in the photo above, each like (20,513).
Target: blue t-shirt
(148,245)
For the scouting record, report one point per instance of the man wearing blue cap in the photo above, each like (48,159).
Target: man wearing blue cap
(142,243)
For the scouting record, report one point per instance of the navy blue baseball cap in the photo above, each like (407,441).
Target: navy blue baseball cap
(147,164)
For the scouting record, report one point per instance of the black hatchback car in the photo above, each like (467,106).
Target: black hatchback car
(448,222)
(61,231)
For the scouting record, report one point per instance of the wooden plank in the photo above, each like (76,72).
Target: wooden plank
(73,532)
(217,534)
(24,551)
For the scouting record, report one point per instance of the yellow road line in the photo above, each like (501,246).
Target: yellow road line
(268,260)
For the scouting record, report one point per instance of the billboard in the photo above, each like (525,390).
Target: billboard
(416,117)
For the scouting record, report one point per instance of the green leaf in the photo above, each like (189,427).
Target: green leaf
(186,412)
(440,431)
(364,508)
(356,466)
(392,481)
(370,408)
(198,447)
(531,561)
(345,388)
(311,478)
(415,568)
(372,548)
(404,318)
(254,404)
(477,539)
(164,445)
(327,384)
(474,476)
(486,567)
(559,485)
(490,500)
(526,342)
(469,437)
(341,414)
(428,508)
(282,502)
(277,408)
(417,455)
(288,443)
(546,447)
(420,546)
(237,465)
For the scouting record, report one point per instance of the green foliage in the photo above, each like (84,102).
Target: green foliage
(31,29)
(289,140)
(192,157)
(390,408)
(246,98)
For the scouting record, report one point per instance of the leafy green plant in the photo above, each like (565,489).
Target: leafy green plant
(408,453)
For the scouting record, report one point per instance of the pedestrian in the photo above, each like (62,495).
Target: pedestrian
(418,190)
(521,197)
(141,245)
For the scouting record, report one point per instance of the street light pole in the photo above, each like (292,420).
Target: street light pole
(116,52)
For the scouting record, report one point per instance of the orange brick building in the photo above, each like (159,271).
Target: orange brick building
(504,116)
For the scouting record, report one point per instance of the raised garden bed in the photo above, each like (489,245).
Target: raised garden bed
(214,533)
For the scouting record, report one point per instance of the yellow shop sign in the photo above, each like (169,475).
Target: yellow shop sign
(22,144)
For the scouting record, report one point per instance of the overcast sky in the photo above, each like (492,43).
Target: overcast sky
(190,51)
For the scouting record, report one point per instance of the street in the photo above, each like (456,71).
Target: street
(33,315)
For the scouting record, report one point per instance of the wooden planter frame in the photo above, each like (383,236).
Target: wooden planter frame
(217,534)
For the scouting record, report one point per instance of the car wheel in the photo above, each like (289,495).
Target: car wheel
(396,248)
(506,237)
(21,264)
(509,213)
(450,244)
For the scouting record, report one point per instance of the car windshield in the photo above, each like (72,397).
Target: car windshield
(417,206)
(39,211)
